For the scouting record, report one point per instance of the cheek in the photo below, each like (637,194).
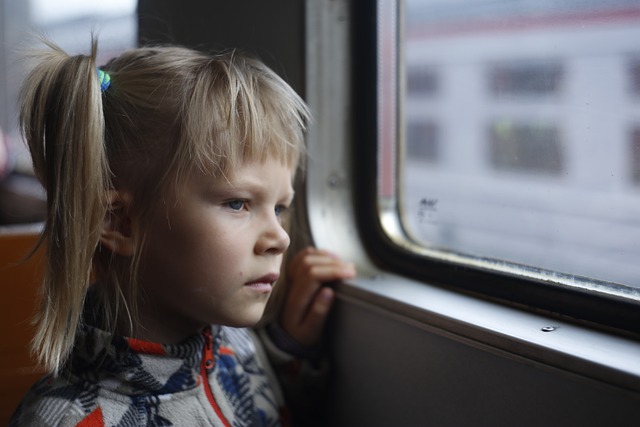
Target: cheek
(174,245)
(223,250)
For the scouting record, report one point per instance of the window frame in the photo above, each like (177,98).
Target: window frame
(522,286)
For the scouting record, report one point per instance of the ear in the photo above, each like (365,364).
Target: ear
(117,225)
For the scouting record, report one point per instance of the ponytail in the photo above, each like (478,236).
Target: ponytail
(62,121)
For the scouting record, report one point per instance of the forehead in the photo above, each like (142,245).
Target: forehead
(255,174)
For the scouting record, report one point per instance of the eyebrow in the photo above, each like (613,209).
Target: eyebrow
(250,185)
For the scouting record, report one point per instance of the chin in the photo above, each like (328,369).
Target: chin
(249,319)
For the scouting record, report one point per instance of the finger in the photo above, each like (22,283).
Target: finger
(308,270)
(310,250)
(311,329)
(308,258)
(304,287)
(317,266)
(334,271)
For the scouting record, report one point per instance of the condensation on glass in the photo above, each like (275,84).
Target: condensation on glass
(519,125)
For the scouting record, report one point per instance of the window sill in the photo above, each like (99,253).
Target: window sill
(507,331)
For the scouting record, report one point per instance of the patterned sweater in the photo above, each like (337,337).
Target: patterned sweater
(217,378)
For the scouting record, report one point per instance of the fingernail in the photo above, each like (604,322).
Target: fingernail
(350,269)
(326,295)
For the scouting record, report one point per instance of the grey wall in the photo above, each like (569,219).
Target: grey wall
(271,29)
(14,26)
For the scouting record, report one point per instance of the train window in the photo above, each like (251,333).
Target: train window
(530,129)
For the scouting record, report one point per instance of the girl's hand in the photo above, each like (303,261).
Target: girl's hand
(308,302)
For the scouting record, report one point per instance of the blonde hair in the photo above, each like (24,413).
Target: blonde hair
(168,111)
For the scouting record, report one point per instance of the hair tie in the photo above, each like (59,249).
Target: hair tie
(105,80)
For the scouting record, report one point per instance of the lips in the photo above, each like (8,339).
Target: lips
(264,283)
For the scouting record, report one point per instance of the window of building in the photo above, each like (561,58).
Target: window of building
(422,81)
(422,141)
(635,155)
(634,77)
(526,147)
(525,79)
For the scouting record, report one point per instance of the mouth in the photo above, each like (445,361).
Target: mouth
(263,284)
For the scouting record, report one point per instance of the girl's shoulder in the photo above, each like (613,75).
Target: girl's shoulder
(55,402)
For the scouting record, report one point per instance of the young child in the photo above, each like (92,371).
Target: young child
(168,175)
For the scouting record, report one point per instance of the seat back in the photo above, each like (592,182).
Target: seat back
(19,283)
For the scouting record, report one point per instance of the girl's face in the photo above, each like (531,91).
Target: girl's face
(214,252)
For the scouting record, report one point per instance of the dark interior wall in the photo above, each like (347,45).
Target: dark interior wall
(388,372)
(271,29)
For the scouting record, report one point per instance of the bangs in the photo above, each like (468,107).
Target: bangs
(241,111)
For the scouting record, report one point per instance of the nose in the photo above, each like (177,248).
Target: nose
(274,239)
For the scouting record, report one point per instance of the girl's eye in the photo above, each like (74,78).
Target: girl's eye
(280,209)
(236,205)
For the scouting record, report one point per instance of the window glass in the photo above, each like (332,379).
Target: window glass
(520,136)
(634,76)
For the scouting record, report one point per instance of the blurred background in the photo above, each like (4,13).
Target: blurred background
(69,23)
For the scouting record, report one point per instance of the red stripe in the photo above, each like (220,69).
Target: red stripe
(212,400)
(94,419)
(226,351)
(208,356)
(603,16)
(145,347)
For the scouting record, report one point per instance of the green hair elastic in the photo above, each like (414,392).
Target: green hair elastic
(105,80)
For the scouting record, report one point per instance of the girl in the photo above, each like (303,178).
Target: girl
(168,176)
